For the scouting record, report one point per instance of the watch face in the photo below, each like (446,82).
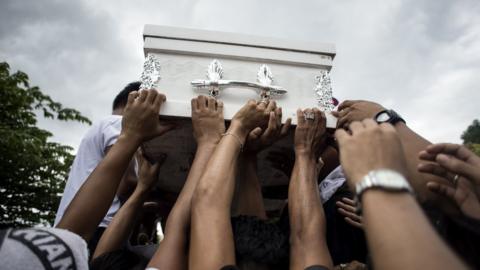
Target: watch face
(383,117)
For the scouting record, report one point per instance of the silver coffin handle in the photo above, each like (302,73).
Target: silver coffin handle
(215,82)
(261,89)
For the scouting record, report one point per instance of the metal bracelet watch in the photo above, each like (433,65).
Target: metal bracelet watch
(383,179)
(388,116)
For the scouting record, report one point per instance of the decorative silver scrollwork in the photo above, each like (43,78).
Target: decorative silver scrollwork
(323,91)
(215,71)
(265,78)
(215,82)
(214,74)
(151,73)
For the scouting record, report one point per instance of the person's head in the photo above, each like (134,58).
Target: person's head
(121,99)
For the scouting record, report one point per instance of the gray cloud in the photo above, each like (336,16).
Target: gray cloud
(418,57)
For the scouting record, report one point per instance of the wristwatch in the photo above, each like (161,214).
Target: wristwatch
(383,179)
(388,116)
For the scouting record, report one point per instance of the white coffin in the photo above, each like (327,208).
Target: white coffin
(185,54)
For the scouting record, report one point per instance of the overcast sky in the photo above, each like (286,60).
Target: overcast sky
(421,58)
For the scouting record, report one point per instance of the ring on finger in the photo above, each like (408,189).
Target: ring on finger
(263,101)
(309,115)
(455,179)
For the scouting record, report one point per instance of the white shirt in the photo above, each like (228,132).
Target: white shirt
(91,151)
(42,248)
(331,183)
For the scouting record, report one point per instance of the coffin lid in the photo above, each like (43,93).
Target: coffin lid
(226,38)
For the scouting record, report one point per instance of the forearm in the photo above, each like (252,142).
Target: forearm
(87,210)
(216,185)
(394,224)
(179,217)
(118,231)
(307,219)
(128,183)
(249,193)
(412,144)
(211,237)
(172,253)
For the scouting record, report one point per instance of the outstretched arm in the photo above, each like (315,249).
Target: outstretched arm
(358,110)
(211,239)
(307,219)
(140,123)
(248,196)
(208,126)
(118,231)
(399,236)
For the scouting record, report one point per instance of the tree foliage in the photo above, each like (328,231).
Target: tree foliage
(471,136)
(33,170)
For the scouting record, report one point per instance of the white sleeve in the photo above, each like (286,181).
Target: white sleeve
(111,132)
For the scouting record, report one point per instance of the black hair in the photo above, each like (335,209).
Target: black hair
(122,97)
(119,259)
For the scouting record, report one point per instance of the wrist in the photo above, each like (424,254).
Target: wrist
(374,198)
(305,156)
(128,143)
(141,192)
(237,128)
(208,142)
(304,153)
(385,180)
(131,138)
(206,146)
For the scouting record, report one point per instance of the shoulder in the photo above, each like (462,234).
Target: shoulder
(111,120)
(52,246)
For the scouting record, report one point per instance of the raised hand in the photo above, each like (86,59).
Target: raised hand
(369,147)
(356,110)
(461,170)
(140,119)
(258,139)
(310,132)
(253,114)
(347,207)
(207,120)
(147,175)
(450,159)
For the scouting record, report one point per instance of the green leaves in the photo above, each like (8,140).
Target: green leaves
(472,134)
(33,170)
(471,137)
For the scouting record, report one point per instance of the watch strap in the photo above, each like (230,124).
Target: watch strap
(383,179)
(394,117)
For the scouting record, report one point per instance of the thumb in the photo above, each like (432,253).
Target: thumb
(255,133)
